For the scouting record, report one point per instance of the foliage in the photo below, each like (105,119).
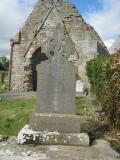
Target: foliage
(115,145)
(96,72)
(4,63)
(1,67)
(104,76)
(2,77)
(3,87)
(110,95)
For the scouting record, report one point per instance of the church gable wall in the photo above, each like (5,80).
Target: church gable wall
(36,32)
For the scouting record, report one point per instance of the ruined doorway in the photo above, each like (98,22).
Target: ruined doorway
(37,58)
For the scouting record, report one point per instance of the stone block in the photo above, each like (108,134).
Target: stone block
(28,136)
(65,123)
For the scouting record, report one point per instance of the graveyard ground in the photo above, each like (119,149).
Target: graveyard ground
(15,114)
(100,150)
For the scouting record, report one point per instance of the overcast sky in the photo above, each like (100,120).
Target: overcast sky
(104,15)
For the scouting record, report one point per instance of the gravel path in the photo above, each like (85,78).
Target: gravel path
(99,151)
(8,95)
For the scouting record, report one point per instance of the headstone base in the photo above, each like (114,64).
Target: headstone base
(63,123)
(28,136)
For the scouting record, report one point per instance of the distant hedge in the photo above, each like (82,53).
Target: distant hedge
(104,77)
(96,72)
(4,64)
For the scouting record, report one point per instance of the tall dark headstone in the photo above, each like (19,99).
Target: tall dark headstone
(56,90)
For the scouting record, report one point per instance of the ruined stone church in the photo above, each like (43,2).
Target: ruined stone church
(30,45)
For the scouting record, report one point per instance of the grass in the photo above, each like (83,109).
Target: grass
(86,105)
(82,106)
(14,113)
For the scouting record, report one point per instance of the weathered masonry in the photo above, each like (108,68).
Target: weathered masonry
(115,46)
(28,47)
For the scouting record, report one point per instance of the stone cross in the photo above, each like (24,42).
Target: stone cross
(56,82)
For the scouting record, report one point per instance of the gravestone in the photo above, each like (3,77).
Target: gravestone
(56,94)
(79,88)
(56,87)
(54,120)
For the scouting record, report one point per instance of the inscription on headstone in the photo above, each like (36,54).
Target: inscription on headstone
(56,86)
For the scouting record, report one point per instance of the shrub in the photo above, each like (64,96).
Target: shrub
(4,63)
(2,77)
(104,77)
(96,72)
(110,94)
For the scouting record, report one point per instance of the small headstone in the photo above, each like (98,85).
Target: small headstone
(79,88)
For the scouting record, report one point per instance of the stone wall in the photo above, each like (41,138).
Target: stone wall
(116,46)
(35,34)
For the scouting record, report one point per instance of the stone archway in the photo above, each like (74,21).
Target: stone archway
(36,59)
(30,75)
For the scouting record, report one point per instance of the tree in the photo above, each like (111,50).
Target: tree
(1,67)
(4,63)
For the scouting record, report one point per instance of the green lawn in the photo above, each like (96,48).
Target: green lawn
(14,113)
(86,105)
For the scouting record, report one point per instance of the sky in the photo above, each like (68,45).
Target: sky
(103,15)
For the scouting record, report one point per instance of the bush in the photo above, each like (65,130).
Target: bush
(4,63)
(2,77)
(104,77)
(96,72)
(110,97)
